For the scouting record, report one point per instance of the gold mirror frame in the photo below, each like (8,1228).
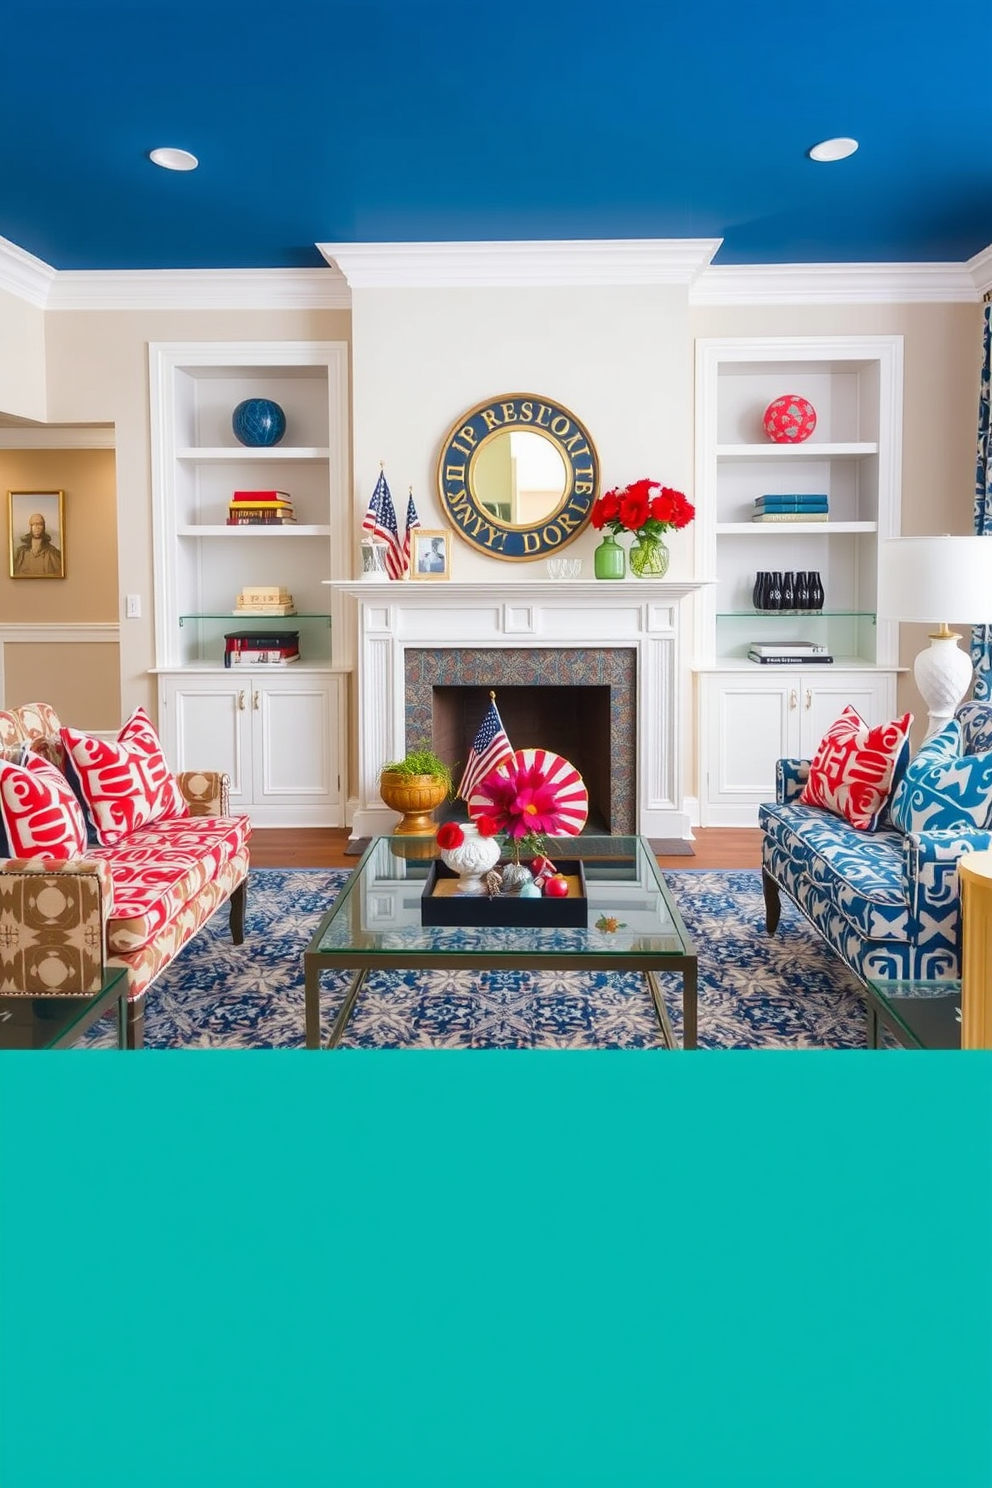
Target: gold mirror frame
(474,521)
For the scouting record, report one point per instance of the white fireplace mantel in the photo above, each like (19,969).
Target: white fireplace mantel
(642,615)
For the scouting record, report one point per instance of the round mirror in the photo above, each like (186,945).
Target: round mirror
(517,477)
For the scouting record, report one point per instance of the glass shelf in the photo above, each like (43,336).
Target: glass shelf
(797,615)
(251,615)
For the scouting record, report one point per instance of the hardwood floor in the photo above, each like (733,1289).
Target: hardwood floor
(324,847)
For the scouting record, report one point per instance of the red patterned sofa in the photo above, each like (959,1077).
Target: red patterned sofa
(135,899)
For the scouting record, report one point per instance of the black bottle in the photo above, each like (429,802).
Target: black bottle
(815,592)
(758,592)
(773,600)
(802,591)
(788,591)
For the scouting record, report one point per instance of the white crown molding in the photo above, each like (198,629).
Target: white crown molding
(23,275)
(981,270)
(58,436)
(497,265)
(835,284)
(199,289)
(494,264)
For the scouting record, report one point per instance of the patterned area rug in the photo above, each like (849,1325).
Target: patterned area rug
(755,991)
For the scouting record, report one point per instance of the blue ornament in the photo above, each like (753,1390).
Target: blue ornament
(529,891)
(258,421)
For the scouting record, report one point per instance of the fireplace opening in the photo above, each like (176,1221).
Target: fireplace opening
(579,701)
(571,721)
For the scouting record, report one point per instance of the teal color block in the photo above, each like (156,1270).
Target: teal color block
(383,1270)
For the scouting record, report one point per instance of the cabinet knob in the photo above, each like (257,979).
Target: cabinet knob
(256,700)
(809,698)
(241,701)
(793,699)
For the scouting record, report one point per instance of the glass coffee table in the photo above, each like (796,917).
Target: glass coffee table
(28,1022)
(921,1015)
(375,925)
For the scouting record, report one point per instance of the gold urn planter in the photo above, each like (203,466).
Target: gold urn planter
(414,797)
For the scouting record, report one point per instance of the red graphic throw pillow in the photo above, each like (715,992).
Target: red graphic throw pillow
(39,815)
(855,768)
(125,785)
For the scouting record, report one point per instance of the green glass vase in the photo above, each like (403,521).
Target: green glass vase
(609,559)
(649,558)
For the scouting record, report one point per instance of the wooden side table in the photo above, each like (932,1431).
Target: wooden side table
(975,874)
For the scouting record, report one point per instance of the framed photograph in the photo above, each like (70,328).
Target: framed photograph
(430,554)
(37,534)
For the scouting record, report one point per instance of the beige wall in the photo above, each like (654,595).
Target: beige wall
(75,678)
(615,356)
(81,680)
(22,359)
(88,593)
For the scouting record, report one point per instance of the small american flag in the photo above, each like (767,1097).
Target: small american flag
(380,521)
(489,749)
(412,521)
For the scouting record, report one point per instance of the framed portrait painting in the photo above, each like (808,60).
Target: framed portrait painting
(430,553)
(37,534)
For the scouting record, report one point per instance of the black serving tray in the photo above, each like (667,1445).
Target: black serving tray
(507,909)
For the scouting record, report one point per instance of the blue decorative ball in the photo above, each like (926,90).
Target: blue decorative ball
(258,421)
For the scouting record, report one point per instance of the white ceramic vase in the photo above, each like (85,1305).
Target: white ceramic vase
(472,860)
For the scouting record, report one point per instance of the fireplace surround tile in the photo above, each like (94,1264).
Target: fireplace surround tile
(544,667)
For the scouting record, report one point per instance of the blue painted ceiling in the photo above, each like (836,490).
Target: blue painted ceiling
(436,120)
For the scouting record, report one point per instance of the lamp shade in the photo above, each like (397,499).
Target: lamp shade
(936,579)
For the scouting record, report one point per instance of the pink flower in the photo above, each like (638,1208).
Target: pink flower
(536,793)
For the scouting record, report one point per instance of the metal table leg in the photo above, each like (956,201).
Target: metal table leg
(690,1004)
(311,983)
(667,1031)
(341,1021)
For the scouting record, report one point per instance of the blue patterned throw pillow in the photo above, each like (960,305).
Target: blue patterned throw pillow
(942,788)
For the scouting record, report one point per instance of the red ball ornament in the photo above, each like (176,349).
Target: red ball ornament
(556,887)
(789,419)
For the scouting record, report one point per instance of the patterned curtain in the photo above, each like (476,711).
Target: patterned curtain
(981,635)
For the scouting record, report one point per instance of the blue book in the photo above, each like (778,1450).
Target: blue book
(792,503)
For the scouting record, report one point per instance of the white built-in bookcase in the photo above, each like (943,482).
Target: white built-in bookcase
(751,715)
(278,732)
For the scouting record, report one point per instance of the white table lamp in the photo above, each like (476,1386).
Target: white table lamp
(933,580)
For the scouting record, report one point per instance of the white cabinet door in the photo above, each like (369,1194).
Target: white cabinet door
(749,721)
(747,726)
(823,700)
(280,739)
(204,725)
(294,739)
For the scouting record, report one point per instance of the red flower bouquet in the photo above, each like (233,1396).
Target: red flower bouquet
(644,507)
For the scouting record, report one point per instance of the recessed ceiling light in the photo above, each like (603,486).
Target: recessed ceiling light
(170,159)
(833,149)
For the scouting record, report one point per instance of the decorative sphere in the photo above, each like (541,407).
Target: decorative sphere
(258,421)
(789,419)
(556,887)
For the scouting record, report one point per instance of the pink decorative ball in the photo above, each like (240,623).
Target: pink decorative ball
(789,419)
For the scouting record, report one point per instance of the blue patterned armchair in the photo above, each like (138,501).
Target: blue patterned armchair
(887,901)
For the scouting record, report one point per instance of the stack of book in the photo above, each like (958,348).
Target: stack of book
(264,600)
(787,653)
(796,508)
(261,647)
(246,508)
